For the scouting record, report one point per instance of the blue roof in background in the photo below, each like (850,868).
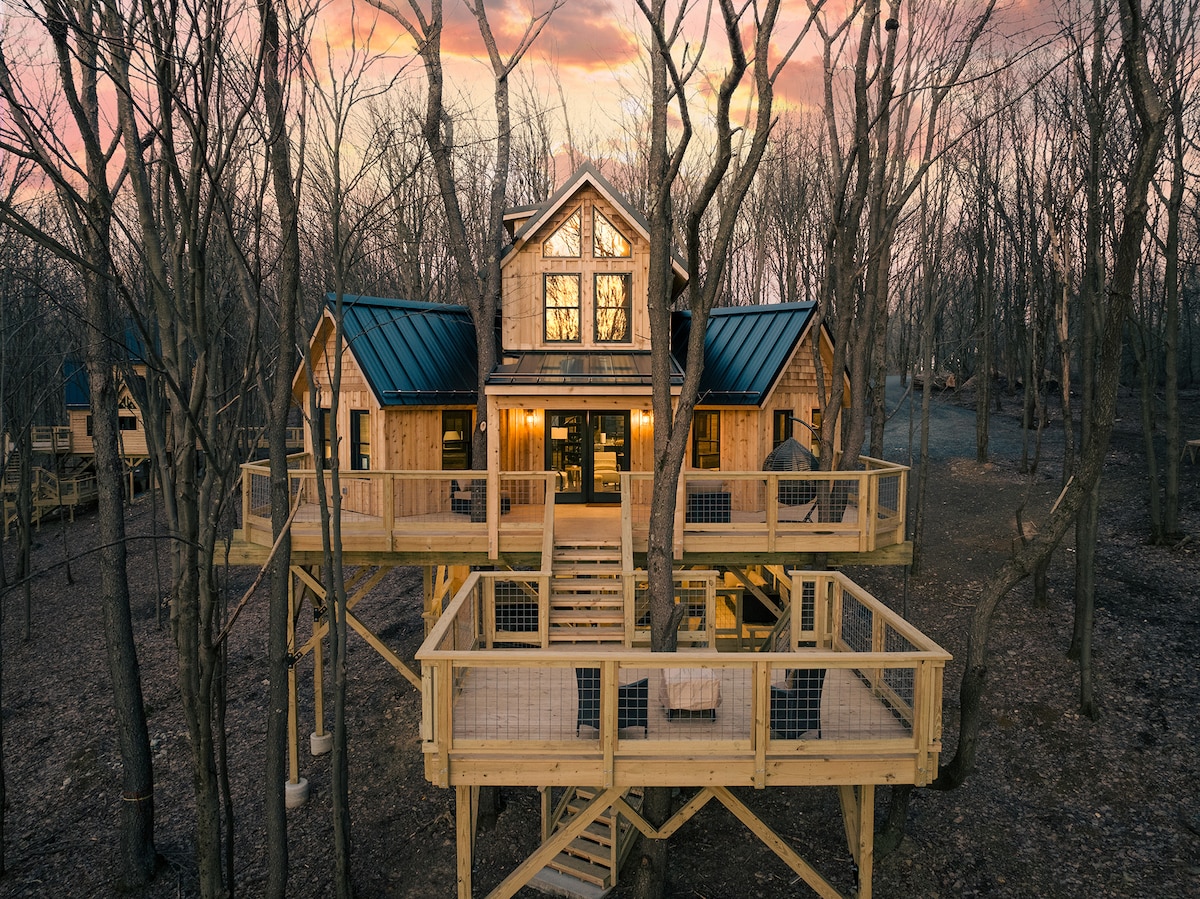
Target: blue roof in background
(76,390)
(745,349)
(411,353)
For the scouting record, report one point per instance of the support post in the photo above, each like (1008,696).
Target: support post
(464,837)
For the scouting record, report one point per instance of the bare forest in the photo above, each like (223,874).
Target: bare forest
(994,206)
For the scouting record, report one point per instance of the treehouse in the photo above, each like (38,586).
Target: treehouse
(536,669)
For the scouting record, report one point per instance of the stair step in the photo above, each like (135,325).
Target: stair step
(588,634)
(584,870)
(599,617)
(586,601)
(593,584)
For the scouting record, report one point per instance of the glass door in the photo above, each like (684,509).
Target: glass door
(564,454)
(610,454)
(587,452)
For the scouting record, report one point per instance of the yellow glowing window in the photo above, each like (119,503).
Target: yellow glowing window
(607,241)
(566,240)
(562,307)
(612,307)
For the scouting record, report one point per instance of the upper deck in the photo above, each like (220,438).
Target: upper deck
(441,517)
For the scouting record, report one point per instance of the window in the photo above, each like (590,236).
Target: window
(360,440)
(706,439)
(89,426)
(562,307)
(783,427)
(566,241)
(815,442)
(324,437)
(126,423)
(612,307)
(457,428)
(607,241)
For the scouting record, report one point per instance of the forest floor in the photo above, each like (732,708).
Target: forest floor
(1058,805)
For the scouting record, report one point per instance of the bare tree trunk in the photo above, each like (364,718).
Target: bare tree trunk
(1151,118)
(78,48)
(288,292)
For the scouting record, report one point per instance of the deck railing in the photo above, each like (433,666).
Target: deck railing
(50,438)
(592,715)
(849,511)
(716,512)
(398,510)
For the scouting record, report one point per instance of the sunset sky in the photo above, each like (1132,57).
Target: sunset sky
(594,48)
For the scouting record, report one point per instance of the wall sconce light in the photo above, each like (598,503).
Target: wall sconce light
(530,418)
(646,417)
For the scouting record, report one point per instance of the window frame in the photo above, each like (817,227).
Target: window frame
(578,254)
(459,421)
(627,277)
(781,425)
(628,254)
(578,307)
(711,436)
(356,440)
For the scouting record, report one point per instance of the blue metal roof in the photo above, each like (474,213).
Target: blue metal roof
(745,349)
(411,353)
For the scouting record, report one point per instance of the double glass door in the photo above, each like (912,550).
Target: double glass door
(587,451)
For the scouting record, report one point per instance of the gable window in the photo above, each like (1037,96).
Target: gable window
(562,307)
(457,427)
(126,423)
(612,307)
(360,440)
(607,241)
(566,241)
(706,439)
(783,427)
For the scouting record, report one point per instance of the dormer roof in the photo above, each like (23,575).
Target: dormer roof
(411,353)
(746,349)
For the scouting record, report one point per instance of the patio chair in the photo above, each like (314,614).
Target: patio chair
(633,702)
(796,708)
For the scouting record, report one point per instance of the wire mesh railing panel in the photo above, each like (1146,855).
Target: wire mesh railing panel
(260,492)
(518,704)
(708,501)
(901,682)
(690,592)
(889,497)
(515,615)
(857,624)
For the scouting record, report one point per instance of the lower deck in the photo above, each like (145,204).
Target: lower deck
(844,691)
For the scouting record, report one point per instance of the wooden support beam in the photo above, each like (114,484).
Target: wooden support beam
(388,656)
(756,590)
(776,844)
(464,829)
(858,817)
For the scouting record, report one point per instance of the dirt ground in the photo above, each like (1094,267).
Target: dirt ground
(1058,806)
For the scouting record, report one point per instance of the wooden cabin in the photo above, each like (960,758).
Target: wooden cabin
(536,670)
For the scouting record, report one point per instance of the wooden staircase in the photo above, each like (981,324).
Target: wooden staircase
(588,867)
(587,593)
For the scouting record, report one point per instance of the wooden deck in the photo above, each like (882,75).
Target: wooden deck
(409,517)
(510,715)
